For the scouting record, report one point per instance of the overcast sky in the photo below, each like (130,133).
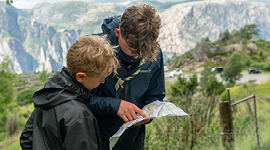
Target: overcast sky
(26,4)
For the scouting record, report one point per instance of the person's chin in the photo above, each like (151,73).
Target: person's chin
(135,56)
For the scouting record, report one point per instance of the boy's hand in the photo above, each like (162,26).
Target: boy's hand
(127,111)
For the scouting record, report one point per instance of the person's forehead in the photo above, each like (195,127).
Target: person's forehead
(127,45)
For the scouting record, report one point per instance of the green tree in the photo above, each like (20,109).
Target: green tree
(236,33)
(183,87)
(44,76)
(25,95)
(6,90)
(9,2)
(233,68)
(205,39)
(249,31)
(214,87)
(226,35)
(6,84)
(209,83)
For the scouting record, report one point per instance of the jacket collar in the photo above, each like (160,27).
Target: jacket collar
(75,87)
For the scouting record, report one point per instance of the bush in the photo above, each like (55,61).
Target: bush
(25,95)
(44,76)
(12,123)
(248,61)
(261,54)
(257,65)
(266,67)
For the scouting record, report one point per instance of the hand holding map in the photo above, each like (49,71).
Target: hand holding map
(155,109)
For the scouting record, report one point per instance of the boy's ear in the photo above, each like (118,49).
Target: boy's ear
(117,32)
(80,76)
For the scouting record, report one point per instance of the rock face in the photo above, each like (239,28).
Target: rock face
(252,46)
(73,15)
(38,39)
(32,46)
(185,24)
(200,51)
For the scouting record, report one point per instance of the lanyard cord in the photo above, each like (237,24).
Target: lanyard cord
(119,84)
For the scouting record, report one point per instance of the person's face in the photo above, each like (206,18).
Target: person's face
(92,82)
(124,46)
(89,82)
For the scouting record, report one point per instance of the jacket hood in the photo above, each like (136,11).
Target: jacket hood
(108,27)
(59,88)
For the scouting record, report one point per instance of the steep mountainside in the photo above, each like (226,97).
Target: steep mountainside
(73,15)
(32,46)
(263,1)
(38,39)
(161,7)
(185,24)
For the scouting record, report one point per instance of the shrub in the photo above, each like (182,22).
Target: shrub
(12,123)
(257,65)
(266,67)
(44,76)
(261,54)
(25,95)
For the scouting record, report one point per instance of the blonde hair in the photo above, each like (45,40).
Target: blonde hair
(92,55)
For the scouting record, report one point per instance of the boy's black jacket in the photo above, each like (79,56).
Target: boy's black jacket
(146,87)
(61,119)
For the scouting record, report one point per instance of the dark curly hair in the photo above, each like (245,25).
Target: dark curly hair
(140,26)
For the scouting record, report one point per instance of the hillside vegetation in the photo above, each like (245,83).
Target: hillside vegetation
(255,51)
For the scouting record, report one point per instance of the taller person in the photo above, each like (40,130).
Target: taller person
(138,81)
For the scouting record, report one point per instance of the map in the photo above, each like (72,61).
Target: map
(153,110)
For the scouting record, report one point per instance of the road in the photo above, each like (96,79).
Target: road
(259,78)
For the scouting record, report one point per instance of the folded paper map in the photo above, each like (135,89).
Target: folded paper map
(155,109)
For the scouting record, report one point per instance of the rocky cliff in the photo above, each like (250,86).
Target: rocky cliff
(185,24)
(32,46)
(38,39)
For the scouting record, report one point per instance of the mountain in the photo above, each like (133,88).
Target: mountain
(31,45)
(185,24)
(161,7)
(263,1)
(73,15)
(38,39)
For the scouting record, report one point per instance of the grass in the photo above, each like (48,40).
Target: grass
(244,125)
(12,143)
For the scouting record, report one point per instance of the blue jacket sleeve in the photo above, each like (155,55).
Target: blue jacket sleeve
(104,105)
(156,89)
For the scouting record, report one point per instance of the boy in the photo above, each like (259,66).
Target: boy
(139,81)
(62,119)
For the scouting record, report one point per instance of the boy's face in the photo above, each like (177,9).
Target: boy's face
(92,82)
(89,82)
(124,46)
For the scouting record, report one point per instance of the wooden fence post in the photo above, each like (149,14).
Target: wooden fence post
(226,126)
